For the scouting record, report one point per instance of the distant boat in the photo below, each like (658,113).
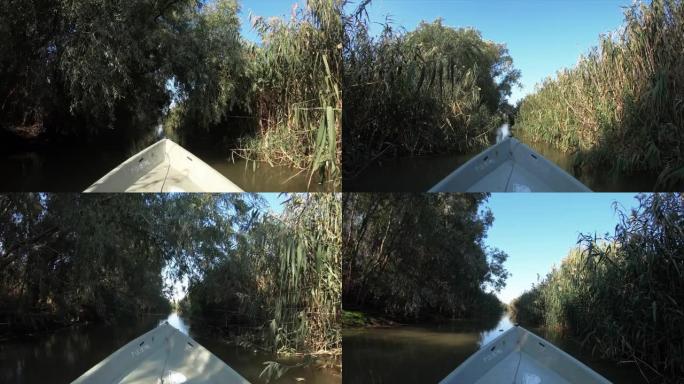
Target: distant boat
(509,166)
(162,355)
(163,167)
(518,356)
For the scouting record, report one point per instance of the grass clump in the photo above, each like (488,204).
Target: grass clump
(297,97)
(354,319)
(280,286)
(622,295)
(621,106)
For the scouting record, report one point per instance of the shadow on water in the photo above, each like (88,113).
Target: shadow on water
(63,356)
(266,178)
(428,353)
(75,168)
(405,174)
(418,174)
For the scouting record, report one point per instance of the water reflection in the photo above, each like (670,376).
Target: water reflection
(62,356)
(418,174)
(74,169)
(428,353)
(488,335)
(177,322)
(265,178)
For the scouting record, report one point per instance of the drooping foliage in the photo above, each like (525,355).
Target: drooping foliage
(431,90)
(621,105)
(119,69)
(281,279)
(622,294)
(411,256)
(68,257)
(272,279)
(82,67)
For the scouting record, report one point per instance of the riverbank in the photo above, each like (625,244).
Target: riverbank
(620,106)
(428,352)
(368,319)
(621,295)
(359,319)
(65,354)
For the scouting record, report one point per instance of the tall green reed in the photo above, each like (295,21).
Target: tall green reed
(433,90)
(621,106)
(298,101)
(622,295)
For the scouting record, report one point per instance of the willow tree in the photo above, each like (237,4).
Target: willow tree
(85,66)
(411,256)
(70,257)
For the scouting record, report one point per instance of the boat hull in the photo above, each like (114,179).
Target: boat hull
(509,166)
(163,167)
(165,355)
(521,357)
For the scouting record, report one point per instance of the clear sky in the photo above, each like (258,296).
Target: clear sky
(542,36)
(264,8)
(537,230)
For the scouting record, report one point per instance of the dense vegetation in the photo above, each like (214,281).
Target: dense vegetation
(622,295)
(67,258)
(415,256)
(621,106)
(73,70)
(284,272)
(432,90)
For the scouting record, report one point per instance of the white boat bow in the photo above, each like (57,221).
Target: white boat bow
(520,357)
(163,167)
(509,166)
(163,355)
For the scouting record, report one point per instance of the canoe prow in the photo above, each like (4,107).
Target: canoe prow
(163,167)
(162,355)
(509,166)
(519,356)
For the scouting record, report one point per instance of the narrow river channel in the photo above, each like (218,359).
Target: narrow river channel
(62,356)
(420,173)
(428,353)
(74,169)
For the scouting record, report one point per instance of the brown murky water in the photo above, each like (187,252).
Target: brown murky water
(62,356)
(418,174)
(428,353)
(74,169)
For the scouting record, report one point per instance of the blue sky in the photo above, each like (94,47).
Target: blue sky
(264,8)
(542,36)
(537,230)
(275,200)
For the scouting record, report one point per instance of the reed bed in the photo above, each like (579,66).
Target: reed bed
(283,281)
(308,277)
(622,295)
(622,105)
(297,97)
(433,90)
